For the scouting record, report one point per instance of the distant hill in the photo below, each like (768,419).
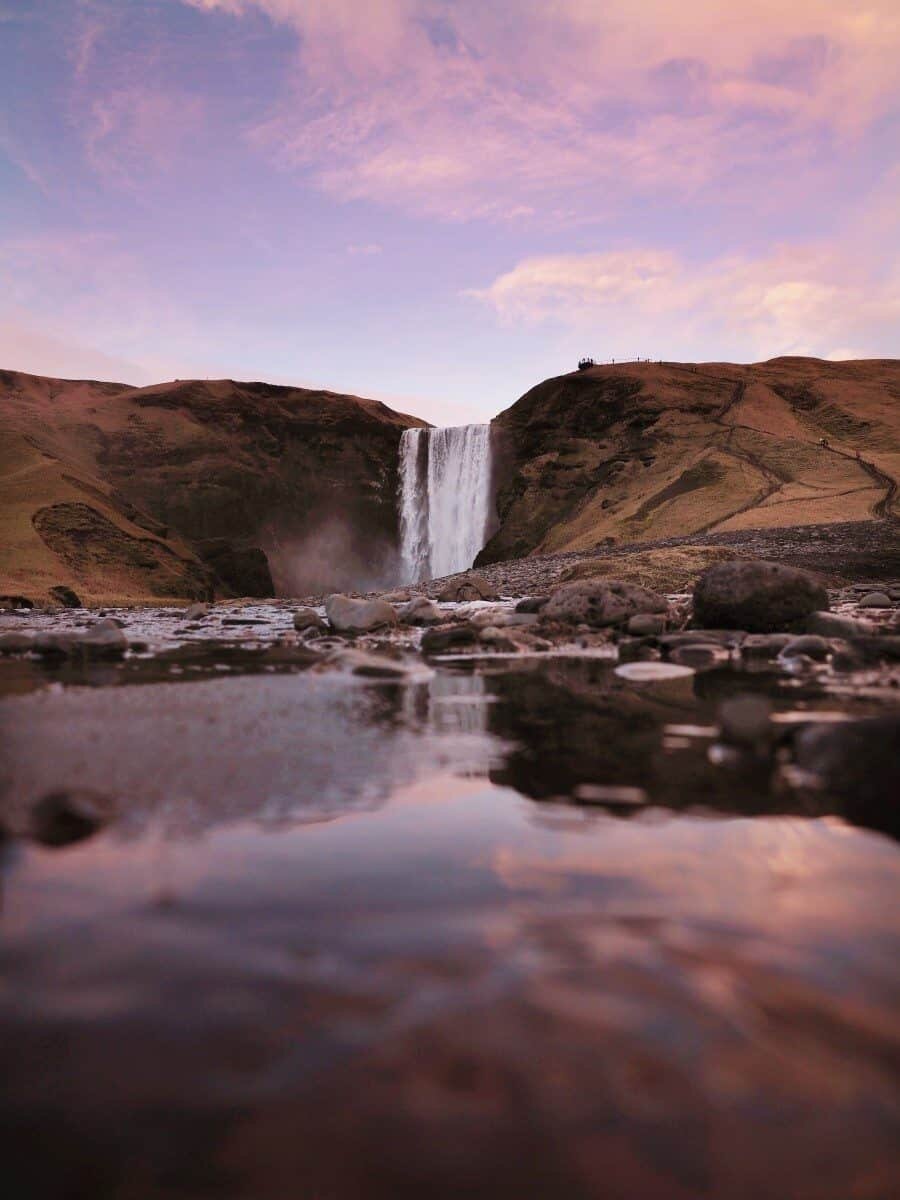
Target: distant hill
(198,487)
(643,451)
(140,493)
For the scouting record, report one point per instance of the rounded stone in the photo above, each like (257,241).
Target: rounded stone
(761,597)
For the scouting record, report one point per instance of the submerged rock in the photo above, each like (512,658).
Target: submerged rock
(601,602)
(63,817)
(858,762)
(760,597)
(347,615)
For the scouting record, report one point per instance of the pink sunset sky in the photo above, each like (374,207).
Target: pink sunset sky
(441,202)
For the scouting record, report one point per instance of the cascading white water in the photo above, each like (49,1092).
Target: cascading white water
(445,499)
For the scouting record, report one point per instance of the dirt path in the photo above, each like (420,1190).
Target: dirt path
(882,507)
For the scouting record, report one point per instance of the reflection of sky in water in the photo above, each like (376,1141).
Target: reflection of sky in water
(667,1005)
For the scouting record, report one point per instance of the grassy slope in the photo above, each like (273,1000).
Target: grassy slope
(104,487)
(644,451)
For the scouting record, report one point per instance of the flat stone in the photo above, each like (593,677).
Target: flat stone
(761,597)
(601,602)
(358,616)
(653,672)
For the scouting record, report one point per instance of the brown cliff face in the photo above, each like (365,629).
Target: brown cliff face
(643,451)
(171,490)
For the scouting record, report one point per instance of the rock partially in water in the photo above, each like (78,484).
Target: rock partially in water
(421,611)
(16,642)
(307,618)
(646,624)
(358,616)
(813,646)
(857,761)
(65,596)
(761,597)
(105,639)
(875,600)
(702,657)
(828,624)
(195,612)
(63,817)
(764,646)
(448,637)
(531,604)
(470,587)
(601,602)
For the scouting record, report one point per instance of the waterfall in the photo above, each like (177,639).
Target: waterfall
(445,499)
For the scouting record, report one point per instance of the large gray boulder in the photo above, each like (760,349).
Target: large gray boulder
(761,597)
(601,602)
(347,615)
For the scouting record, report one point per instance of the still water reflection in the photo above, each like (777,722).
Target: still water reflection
(354,940)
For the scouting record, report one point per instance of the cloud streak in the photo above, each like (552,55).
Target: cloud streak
(566,110)
(796,300)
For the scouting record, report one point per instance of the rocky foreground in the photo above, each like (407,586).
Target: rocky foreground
(741,617)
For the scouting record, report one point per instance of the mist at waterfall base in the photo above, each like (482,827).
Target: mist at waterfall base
(340,553)
(446,501)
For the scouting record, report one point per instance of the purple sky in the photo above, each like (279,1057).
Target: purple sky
(441,202)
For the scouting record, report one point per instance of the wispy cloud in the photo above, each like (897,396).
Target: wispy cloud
(483,108)
(796,300)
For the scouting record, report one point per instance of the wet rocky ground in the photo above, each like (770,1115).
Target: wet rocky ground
(589,892)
